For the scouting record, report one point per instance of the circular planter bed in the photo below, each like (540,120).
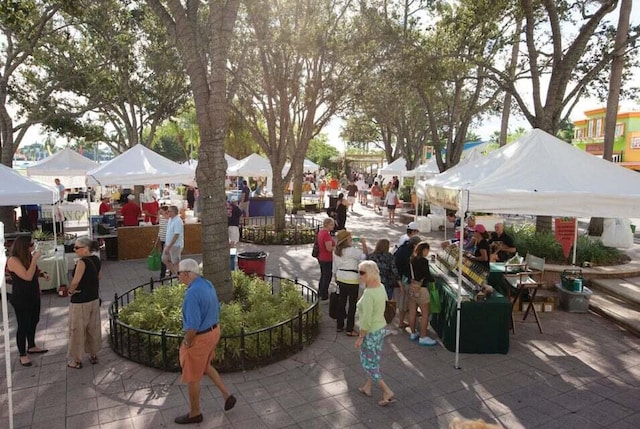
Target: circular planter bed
(267,321)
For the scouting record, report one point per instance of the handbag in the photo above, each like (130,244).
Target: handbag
(153,260)
(333,305)
(415,287)
(435,304)
(389,310)
(315,252)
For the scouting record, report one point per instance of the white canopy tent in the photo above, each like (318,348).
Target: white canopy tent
(396,168)
(67,165)
(16,189)
(139,166)
(538,175)
(252,166)
(308,166)
(472,154)
(426,170)
(193,163)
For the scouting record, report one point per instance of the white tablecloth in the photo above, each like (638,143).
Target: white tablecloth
(56,266)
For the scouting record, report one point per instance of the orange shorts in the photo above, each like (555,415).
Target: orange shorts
(195,359)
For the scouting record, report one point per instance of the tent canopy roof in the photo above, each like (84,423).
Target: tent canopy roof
(539,175)
(252,166)
(15,189)
(66,162)
(429,168)
(396,168)
(140,166)
(308,165)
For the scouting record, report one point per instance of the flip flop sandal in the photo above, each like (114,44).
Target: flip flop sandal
(74,365)
(93,360)
(352,334)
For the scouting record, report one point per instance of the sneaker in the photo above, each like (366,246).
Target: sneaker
(414,336)
(427,341)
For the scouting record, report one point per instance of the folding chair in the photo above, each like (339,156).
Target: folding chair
(529,279)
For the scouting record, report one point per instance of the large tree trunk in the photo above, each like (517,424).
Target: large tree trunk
(279,210)
(209,85)
(596,225)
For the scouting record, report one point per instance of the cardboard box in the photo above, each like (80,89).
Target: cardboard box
(536,305)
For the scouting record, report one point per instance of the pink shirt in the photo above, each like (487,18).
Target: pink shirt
(323,237)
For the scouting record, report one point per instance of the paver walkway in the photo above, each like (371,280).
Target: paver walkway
(583,372)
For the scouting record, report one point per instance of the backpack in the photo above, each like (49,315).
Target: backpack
(316,248)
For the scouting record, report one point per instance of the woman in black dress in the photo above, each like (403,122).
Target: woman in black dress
(25,297)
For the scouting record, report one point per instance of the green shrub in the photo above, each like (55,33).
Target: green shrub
(544,245)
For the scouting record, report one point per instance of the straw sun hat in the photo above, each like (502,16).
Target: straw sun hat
(343,234)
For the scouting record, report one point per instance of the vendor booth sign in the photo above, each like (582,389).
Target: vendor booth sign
(565,233)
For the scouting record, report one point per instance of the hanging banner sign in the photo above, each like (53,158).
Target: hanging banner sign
(565,232)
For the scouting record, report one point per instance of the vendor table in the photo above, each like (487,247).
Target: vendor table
(484,326)
(56,266)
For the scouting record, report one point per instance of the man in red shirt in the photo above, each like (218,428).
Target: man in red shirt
(104,206)
(130,212)
(334,184)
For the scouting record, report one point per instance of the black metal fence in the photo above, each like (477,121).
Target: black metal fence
(298,230)
(234,353)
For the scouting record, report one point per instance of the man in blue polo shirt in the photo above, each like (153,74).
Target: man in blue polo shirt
(200,317)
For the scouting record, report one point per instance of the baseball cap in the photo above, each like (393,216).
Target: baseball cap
(480,228)
(413,226)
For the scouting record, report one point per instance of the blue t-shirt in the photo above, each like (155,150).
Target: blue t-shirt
(201,308)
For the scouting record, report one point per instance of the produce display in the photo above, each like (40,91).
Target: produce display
(474,273)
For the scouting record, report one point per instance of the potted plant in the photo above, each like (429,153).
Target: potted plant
(40,235)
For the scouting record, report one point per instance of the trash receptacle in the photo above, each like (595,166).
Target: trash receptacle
(253,263)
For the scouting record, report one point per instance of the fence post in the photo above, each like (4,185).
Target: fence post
(300,329)
(164,349)
(115,301)
(151,284)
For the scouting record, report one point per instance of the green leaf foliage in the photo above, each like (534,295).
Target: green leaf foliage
(544,245)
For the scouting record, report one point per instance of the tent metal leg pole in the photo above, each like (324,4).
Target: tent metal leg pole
(5,329)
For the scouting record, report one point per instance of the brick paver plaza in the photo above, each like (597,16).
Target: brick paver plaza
(583,372)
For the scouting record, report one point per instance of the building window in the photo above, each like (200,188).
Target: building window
(592,128)
(598,128)
(619,130)
(635,143)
